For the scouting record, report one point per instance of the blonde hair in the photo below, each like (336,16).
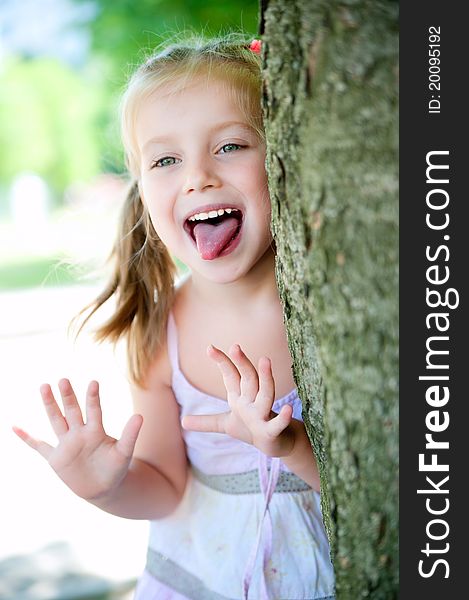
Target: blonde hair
(143,277)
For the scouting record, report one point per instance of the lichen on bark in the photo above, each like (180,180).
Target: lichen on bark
(330,105)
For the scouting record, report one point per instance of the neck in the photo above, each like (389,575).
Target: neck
(258,285)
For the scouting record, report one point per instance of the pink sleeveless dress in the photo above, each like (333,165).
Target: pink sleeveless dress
(246,529)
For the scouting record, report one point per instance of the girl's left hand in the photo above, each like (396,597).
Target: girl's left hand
(250,396)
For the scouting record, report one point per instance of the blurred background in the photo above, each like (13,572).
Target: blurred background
(63,66)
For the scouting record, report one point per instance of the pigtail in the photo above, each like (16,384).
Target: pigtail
(142,284)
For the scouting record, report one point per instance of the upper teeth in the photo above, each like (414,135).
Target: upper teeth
(211,215)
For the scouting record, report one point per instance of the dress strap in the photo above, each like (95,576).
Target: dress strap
(268,481)
(172,341)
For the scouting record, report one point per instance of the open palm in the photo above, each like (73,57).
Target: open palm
(88,460)
(250,395)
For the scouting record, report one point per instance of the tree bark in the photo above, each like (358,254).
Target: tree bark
(330,105)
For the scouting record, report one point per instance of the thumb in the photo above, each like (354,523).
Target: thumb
(44,449)
(276,425)
(128,439)
(209,423)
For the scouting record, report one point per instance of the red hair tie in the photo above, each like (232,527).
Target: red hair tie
(255,46)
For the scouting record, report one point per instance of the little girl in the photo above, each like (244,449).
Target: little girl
(216,456)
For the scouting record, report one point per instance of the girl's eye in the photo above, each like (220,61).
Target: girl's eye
(166,161)
(230,148)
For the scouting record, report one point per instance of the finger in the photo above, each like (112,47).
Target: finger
(94,417)
(249,376)
(71,407)
(229,372)
(56,418)
(128,439)
(276,425)
(266,395)
(207,423)
(43,448)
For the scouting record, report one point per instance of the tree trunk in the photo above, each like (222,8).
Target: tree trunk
(330,101)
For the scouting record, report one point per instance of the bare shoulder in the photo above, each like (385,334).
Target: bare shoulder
(160,442)
(160,372)
(182,299)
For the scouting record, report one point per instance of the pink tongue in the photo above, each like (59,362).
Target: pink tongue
(211,239)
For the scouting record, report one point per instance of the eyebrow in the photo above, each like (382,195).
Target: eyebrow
(225,125)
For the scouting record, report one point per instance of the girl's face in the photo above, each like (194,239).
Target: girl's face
(203,180)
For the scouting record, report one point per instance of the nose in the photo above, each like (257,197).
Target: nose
(201,175)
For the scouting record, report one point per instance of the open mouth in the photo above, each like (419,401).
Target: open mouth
(215,233)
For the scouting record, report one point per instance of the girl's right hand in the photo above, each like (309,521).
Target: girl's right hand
(89,461)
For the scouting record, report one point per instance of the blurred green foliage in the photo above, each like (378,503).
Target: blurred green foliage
(49,118)
(47,271)
(124,30)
